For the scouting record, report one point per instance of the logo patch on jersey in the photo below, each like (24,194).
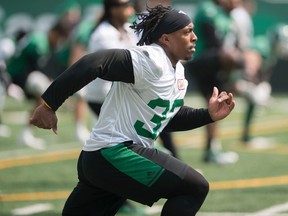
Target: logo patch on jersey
(181,84)
(146,53)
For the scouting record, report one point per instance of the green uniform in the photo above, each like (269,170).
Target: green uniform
(215,30)
(30,55)
(210,13)
(61,57)
(84,31)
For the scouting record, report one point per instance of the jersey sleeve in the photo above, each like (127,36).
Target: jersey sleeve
(188,118)
(110,65)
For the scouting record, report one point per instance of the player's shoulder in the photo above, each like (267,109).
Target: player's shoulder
(152,54)
(151,59)
(149,51)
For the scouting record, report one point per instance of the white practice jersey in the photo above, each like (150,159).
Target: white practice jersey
(138,112)
(106,36)
(244,25)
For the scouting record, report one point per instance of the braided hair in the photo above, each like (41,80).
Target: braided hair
(148,23)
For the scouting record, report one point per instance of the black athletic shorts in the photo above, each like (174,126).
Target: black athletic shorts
(109,176)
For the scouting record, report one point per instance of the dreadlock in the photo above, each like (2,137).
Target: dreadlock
(149,22)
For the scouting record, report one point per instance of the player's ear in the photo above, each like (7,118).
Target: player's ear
(164,39)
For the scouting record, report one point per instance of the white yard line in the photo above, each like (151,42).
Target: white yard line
(273,210)
(32,209)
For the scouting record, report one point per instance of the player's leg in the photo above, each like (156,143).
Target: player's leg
(127,206)
(184,188)
(145,175)
(89,200)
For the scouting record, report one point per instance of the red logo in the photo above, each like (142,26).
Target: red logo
(181,84)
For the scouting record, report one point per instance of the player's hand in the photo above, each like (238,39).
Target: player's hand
(44,117)
(220,105)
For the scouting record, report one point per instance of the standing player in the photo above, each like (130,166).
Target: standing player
(26,68)
(214,60)
(112,31)
(118,161)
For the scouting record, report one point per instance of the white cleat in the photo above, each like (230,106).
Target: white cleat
(28,139)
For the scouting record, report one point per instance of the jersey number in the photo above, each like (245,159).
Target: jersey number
(156,119)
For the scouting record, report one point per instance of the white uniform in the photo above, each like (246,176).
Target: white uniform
(136,116)
(106,36)
(244,24)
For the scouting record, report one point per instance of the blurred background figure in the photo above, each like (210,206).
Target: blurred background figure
(271,48)
(71,16)
(7,88)
(278,40)
(248,83)
(69,52)
(252,80)
(70,13)
(7,48)
(112,31)
(25,68)
(216,56)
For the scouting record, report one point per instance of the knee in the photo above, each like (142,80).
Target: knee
(203,189)
(198,186)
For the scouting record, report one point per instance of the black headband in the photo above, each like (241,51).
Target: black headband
(171,22)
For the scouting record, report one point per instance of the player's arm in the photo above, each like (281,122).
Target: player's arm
(188,118)
(111,65)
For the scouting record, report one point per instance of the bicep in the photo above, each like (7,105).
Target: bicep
(110,65)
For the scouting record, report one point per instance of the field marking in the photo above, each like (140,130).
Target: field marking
(71,154)
(276,212)
(272,210)
(223,185)
(40,158)
(74,153)
(32,209)
(249,183)
(257,129)
(34,196)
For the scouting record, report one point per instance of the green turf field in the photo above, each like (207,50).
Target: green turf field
(34,181)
